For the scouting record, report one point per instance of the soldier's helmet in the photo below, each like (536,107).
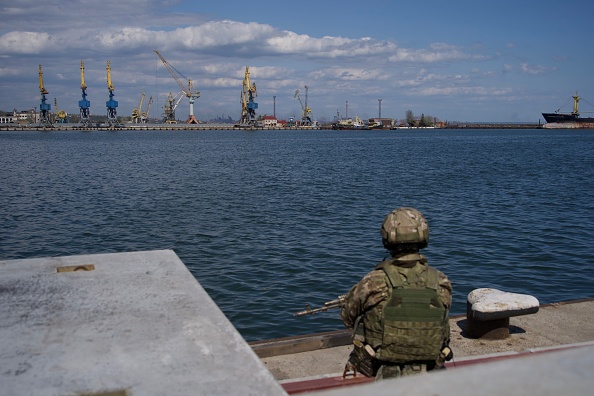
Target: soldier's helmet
(405,229)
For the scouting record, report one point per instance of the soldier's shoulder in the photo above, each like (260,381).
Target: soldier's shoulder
(376,277)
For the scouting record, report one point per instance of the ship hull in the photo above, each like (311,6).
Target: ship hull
(567,121)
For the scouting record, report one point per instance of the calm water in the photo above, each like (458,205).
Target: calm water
(270,220)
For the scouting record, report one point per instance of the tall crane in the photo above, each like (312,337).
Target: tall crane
(84,105)
(248,106)
(144,116)
(112,116)
(44,108)
(188,88)
(306,111)
(60,114)
(137,113)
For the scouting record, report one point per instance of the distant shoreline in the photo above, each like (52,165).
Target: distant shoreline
(206,127)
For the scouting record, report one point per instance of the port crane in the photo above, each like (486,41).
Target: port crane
(112,105)
(170,106)
(248,106)
(60,114)
(137,113)
(306,111)
(188,89)
(44,108)
(144,116)
(84,105)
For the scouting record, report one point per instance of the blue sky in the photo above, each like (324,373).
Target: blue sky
(455,60)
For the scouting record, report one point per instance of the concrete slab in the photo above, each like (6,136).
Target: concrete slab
(128,323)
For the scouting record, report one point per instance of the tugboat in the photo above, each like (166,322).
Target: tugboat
(349,124)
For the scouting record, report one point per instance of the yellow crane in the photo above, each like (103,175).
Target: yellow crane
(306,111)
(137,113)
(144,116)
(187,88)
(60,114)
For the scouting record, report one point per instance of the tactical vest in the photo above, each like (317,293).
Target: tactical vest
(414,322)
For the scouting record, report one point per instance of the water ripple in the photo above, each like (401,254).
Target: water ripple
(268,221)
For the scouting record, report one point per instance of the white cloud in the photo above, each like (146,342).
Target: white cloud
(349,74)
(482,91)
(534,69)
(437,52)
(27,42)
(8,71)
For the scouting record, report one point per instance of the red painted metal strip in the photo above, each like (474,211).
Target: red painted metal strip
(335,382)
(324,383)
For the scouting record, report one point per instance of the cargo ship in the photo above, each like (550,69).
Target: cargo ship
(568,120)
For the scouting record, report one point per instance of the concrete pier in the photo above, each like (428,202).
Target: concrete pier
(553,326)
(543,351)
(119,324)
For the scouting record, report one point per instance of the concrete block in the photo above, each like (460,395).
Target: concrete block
(123,324)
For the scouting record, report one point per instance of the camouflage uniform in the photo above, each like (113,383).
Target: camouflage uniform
(367,298)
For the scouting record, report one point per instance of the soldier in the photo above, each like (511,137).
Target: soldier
(400,310)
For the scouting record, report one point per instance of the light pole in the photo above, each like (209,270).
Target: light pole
(380,109)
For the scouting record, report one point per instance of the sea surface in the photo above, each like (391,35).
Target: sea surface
(268,221)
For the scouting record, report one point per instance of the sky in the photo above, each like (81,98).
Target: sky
(466,61)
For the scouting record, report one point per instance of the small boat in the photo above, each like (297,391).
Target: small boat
(349,123)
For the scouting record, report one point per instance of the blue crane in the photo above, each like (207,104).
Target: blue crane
(112,116)
(44,108)
(84,104)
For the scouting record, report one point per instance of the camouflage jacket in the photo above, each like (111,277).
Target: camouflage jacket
(371,293)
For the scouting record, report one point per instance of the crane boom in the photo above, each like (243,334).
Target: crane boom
(41,87)
(83,86)
(145,114)
(188,88)
(110,86)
